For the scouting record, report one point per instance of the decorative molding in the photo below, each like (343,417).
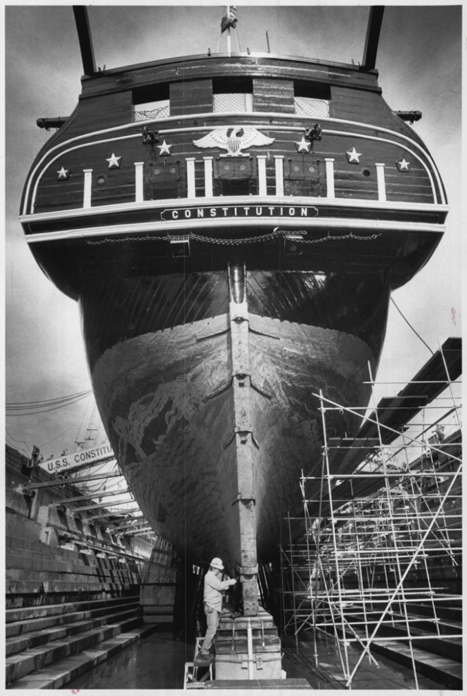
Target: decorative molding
(286,128)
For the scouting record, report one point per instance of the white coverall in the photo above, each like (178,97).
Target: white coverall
(213,588)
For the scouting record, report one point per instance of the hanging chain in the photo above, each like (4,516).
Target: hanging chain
(236,242)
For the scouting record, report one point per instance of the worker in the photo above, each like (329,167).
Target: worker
(213,587)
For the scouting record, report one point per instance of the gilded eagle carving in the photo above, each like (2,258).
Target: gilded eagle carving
(234,140)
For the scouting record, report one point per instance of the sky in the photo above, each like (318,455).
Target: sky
(419,62)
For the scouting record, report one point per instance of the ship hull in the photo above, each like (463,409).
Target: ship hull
(167,395)
(232,263)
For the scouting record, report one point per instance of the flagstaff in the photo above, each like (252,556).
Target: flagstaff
(228,22)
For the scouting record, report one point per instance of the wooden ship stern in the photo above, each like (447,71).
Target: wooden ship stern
(233,250)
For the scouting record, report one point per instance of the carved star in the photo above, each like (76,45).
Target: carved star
(353,155)
(403,165)
(63,173)
(113,161)
(165,148)
(303,145)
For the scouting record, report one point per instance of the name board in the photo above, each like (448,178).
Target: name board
(71,461)
(239,211)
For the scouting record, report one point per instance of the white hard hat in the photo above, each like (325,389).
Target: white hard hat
(217,563)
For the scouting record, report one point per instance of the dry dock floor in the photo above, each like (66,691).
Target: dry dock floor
(157,662)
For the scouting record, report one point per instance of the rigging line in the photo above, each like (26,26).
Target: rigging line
(57,398)
(48,401)
(408,322)
(98,468)
(99,485)
(93,491)
(19,450)
(98,471)
(77,439)
(47,410)
(238,40)
(20,442)
(15,447)
(35,407)
(44,444)
(63,402)
(39,407)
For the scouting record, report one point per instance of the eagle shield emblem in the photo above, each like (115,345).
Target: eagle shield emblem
(234,140)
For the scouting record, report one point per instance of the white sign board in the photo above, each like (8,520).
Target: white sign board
(71,461)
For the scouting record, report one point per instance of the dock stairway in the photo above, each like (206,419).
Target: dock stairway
(71,596)
(47,646)
(436,640)
(72,582)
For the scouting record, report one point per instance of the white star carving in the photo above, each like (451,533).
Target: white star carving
(165,148)
(353,155)
(303,145)
(63,173)
(113,161)
(403,165)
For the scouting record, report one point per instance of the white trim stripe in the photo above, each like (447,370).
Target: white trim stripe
(139,182)
(279,169)
(262,183)
(239,201)
(87,188)
(293,222)
(330,191)
(208,176)
(190,177)
(380,178)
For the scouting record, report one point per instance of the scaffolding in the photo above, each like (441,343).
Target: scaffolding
(378,562)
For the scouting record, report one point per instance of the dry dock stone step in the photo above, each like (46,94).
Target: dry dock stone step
(441,669)
(447,644)
(45,636)
(65,670)
(25,626)
(36,587)
(32,563)
(34,659)
(50,609)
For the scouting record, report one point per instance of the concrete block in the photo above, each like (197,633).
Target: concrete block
(49,536)
(235,666)
(57,675)
(46,610)
(154,619)
(157,595)
(34,659)
(19,526)
(17,502)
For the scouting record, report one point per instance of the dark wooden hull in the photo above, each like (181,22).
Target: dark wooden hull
(160,353)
